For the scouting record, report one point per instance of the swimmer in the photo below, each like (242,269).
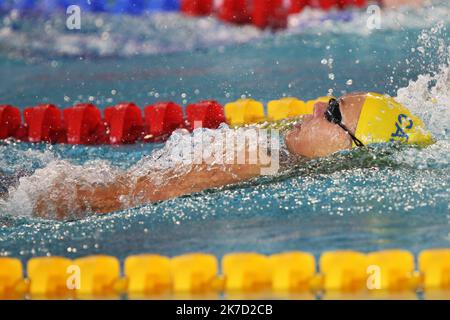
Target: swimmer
(353,121)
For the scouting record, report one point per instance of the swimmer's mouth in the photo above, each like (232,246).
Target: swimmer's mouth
(298,125)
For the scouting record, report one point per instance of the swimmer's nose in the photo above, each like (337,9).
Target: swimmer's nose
(319,109)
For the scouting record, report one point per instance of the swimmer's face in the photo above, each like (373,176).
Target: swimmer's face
(315,136)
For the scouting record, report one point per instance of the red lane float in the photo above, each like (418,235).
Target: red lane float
(196,7)
(84,124)
(269,13)
(233,11)
(125,123)
(205,114)
(44,123)
(162,118)
(359,3)
(10,121)
(297,6)
(122,123)
(327,4)
(263,14)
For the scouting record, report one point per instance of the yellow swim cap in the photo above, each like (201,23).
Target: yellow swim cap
(383,119)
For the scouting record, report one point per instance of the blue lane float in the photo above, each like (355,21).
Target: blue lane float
(133,7)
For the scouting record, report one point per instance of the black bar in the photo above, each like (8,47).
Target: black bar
(222,309)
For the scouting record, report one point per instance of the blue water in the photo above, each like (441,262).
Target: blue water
(382,198)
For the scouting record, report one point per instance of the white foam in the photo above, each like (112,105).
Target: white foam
(428,96)
(58,180)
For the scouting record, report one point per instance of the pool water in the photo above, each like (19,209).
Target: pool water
(381,198)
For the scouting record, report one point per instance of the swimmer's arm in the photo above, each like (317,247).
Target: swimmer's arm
(158,186)
(131,188)
(125,192)
(197,178)
(163,185)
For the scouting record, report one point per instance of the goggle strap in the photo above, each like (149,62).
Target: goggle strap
(357,142)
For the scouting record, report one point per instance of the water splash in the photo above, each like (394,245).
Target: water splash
(59,179)
(429,97)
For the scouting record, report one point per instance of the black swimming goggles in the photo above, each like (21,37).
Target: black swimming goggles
(333,115)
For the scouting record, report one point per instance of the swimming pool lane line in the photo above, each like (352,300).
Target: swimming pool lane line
(124,123)
(261,14)
(339,274)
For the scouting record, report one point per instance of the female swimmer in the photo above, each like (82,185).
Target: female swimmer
(354,120)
